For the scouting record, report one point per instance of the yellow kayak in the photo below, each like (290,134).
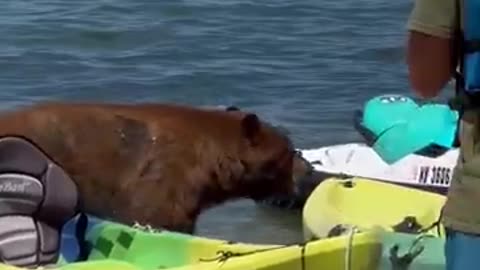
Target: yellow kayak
(339,203)
(402,216)
(118,247)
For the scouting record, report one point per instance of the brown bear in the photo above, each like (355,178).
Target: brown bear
(157,164)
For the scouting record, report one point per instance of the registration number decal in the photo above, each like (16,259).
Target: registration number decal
(434,175)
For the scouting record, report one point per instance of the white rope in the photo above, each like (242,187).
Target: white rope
(348,252)
(145,228)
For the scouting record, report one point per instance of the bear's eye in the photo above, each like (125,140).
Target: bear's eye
(270,165)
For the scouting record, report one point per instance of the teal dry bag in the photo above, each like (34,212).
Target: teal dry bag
(471,46)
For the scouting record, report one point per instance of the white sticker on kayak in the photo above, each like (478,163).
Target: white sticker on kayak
(434,175)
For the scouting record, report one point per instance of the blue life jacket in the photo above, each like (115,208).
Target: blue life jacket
(471,46)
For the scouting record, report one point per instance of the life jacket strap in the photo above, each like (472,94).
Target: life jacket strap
(472,46)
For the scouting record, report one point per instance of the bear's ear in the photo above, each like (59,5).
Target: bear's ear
(251,127)
(232,108)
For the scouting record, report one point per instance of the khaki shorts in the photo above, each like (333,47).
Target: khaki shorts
(460,211)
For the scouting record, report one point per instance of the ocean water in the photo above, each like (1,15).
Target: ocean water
(305,65)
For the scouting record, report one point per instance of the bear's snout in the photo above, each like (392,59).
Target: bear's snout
(302,172)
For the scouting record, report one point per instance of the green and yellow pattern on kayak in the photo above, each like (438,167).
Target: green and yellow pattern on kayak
(118,247)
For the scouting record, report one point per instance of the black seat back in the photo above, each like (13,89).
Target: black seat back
(36,199)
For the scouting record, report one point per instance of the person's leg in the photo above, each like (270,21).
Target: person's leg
(462,251)
(449,249)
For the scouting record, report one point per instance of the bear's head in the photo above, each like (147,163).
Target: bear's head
(271,165)
(267,160)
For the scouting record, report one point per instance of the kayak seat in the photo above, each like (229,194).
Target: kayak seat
(36,198)
(368,136)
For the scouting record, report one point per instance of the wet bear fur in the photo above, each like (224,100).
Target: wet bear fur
(157,164)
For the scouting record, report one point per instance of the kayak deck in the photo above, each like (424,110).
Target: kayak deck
(368,204)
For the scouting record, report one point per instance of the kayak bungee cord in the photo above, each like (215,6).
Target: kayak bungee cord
(415,249)
(223,255)
(348,254)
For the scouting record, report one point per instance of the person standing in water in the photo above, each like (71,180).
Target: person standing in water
(443,37)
